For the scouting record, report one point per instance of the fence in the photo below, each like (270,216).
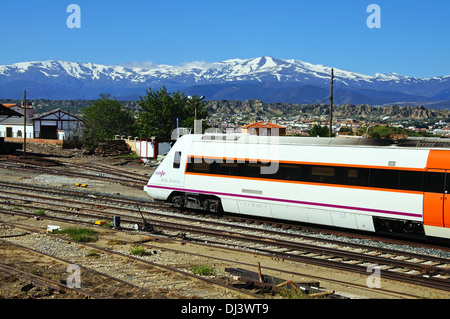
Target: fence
(149,148)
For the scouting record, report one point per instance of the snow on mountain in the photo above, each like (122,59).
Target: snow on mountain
(230,70)
(258,78)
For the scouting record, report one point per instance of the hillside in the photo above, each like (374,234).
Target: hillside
(260,108)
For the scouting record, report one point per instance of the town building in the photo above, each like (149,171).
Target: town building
(57,124)
(54,125)
(12,122)
(264,129)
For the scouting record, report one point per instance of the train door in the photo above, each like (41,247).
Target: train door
(446,212)
(436,204)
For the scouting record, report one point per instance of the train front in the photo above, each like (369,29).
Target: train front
(169,175)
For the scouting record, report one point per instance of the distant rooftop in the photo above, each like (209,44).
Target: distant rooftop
(4,110)
(263,124)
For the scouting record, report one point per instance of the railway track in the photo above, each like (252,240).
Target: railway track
(39,275)
(135,278)
(429,271)
(72,170)
(311,285)
(38,280)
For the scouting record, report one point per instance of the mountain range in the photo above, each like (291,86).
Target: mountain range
(264,78)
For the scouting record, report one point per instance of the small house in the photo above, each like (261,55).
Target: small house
(56,124)
(264,129)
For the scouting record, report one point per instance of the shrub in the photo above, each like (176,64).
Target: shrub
(79,234)
(39,212)
(203,270)
(138,251)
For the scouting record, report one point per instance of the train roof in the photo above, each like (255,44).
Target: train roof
(415,142)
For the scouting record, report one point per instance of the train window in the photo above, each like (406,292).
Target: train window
(356,176)
(339,175)
(288,172)
(254,170)
(202,167)
(363,176)
(227,169)
(177,160)
(322,174)
(304,172)
(352,176)
(189,164)
(411,180)
(434,182)
(447,188)
(379,178)
(383,178)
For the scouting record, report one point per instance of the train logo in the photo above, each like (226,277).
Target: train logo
(160,174)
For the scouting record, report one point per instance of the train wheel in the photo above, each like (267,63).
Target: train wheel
(178,201)
(214,206)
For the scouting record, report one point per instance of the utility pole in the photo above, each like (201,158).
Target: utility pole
(330,134)
(24,122)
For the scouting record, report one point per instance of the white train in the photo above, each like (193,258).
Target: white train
(338,182)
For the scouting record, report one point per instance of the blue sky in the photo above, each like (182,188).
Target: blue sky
(414,38)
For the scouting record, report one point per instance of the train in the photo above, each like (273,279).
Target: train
(360,184)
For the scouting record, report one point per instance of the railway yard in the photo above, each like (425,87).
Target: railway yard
(158,252)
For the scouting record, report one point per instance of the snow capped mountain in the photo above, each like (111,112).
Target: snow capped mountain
(265,78)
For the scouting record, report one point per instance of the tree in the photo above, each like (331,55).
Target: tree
(318,130)
(105,118)
(160,110)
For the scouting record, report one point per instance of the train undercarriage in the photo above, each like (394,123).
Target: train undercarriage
(212,204)
(198,201)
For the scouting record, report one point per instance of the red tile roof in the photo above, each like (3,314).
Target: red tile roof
(263,125)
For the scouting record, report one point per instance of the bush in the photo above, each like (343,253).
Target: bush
(79,234)
(203,270)
(138,251)
(40,212)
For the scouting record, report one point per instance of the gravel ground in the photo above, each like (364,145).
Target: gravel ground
(162,251)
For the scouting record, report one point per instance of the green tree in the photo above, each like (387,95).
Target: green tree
(104,118)
(318,130)
(160,110)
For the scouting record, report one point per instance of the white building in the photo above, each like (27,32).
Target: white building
(19,109)
(11,122)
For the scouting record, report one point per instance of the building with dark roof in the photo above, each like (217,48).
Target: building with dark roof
(11,123)
(56,124)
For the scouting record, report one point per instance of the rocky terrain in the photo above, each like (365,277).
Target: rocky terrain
(258,107)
